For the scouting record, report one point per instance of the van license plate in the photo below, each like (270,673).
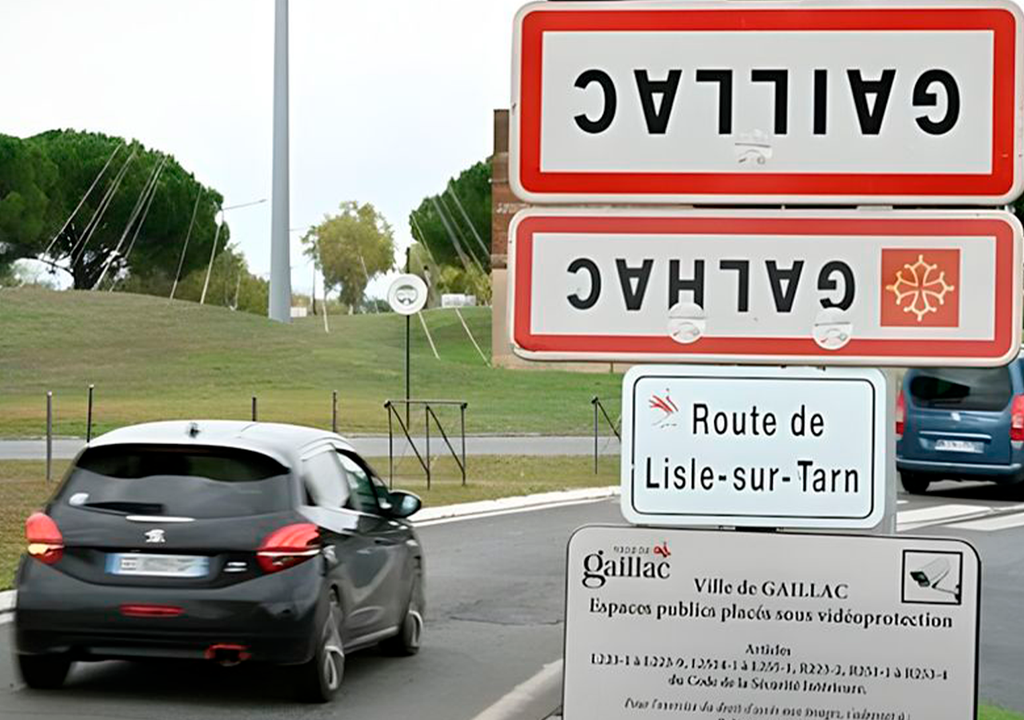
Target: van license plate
(964,446)
(144,564)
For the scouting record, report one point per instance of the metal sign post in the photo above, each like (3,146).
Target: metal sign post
(407,296)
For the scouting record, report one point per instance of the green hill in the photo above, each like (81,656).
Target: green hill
(153,359)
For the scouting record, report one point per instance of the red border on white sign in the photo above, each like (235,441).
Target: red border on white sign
(1006,330)
(1001,185)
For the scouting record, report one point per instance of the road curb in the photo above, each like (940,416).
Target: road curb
(486,508)
(533,698)
(7,598)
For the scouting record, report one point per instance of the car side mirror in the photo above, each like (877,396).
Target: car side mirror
(404,504)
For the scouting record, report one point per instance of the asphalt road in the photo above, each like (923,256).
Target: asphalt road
(495,589)
(494,593)
(373,446)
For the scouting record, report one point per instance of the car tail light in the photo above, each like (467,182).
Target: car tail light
(45,543)
(289,546)
(901,414)
(1017,419)
(151,611)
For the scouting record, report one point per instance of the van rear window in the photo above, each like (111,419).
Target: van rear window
(962,388)
(198,482)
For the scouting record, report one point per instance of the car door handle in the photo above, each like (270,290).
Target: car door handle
(380,541)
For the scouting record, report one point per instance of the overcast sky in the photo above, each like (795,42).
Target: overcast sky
(389,98)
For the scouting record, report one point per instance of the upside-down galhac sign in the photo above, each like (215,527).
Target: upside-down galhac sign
(854,287)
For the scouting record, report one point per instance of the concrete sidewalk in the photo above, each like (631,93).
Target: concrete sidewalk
(375,446)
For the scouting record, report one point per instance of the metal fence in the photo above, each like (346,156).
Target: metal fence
(428,414)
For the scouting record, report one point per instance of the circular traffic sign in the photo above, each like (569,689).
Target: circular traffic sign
(407,294)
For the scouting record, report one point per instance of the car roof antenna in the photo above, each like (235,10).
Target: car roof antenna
(193,429)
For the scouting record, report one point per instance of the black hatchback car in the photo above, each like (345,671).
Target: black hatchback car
(224,541)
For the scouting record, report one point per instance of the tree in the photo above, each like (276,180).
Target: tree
(351,248)
(27,179)
(455,225)
(43,179)
(231,284)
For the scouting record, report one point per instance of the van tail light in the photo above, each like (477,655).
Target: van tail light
(288,546)
(1017,419)
(901,414)
(45,543)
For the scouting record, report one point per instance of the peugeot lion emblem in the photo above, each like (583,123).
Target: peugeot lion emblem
(156,535)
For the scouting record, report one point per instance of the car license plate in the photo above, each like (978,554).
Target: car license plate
(180,566)
(964,446)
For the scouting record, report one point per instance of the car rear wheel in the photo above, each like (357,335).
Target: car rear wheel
(407,641)
(319,679)
(43,672)
(914,484)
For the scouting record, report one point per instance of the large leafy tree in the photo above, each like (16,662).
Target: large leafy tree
(231,284)
(27,182)
(455,225)
(351,248)
(132,221)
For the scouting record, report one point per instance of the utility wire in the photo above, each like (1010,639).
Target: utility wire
(142,220)
(100,211)
(479,240)
(82,201)
(422,241)
(188,235)
(472,339)
(367,281)
(139,203)
(451,234)
(209,269)
(459,232)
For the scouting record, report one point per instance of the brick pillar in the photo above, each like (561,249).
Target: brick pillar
(503,206)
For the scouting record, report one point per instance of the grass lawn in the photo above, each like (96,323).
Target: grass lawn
(24,490)
(987,712)
(153,359)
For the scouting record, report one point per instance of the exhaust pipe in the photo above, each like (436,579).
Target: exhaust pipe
(227,654)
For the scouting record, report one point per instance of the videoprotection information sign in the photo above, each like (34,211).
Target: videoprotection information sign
(856,287)
(741,626)
(882,102)
(754,447)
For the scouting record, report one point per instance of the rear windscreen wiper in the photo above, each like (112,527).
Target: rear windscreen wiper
(127,507)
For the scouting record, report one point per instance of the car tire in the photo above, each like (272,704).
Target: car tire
(410,634)
(43,672)
(318,680)
(914,484)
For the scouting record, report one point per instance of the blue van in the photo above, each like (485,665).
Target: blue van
(960,424)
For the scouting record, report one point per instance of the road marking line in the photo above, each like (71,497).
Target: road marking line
(939,512)
(938,515)
(1001,522)
(512,706)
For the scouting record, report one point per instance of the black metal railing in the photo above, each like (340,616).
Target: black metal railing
(428,415)
(598,406)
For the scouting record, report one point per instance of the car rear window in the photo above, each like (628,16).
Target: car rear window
(962,388)
(189,481)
